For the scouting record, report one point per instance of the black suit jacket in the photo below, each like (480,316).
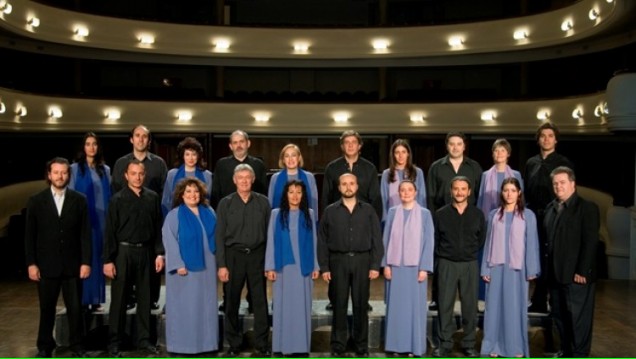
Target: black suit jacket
(58,244)
(573,240)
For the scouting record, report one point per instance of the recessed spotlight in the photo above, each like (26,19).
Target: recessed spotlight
(3,108)
(380,44)
(577,113)
(221,45)
(417,117)
(543,115)
(261,116)
(301,47)
(112,115)
(593,14)
(21,111)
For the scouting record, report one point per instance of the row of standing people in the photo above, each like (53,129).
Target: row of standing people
(401,167)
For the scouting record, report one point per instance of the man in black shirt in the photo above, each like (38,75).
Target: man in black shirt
(460,230)
(223,179)
(349,254)
(132,250)
(539,193)
(241,235)
(367,179)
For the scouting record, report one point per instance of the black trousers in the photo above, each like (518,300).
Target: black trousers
(573,314)
(48,293)
(350,273)
(451,277)
(246,267)
(133,266)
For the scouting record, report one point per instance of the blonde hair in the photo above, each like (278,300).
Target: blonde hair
(281,157)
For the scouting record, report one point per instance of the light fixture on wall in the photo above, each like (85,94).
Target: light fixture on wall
(221,45)
(456,41)
(567,25)
(543,115)
(340,117)
(81,31)
(417,117)
(301,47)
(593,14)
(146,39)
(33,21)
(55,112)
(520,35)
(261,116)
(21,111)
(577,114)
(3,108)
(184,116)
(5,7)
(380,45)
(112,115)
(488,115)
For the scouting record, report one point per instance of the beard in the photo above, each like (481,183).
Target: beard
(348,194)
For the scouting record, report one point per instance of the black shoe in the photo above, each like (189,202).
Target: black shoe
(232,353)
(130,306)
(471,353)
(441,352)
(44,354)
(369,308)
(337,354)
(154,306)
(80,353)
(537,308)
(329,306)
(262,353)
(362,354)
(114,353)
(150,349)
(433,306)
(222,307)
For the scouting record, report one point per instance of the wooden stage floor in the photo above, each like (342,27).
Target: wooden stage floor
(614,326)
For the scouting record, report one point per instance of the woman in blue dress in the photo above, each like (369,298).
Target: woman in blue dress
(510,261)
(292,265)
(192,322)
(408,259)
(91,176)
(190,163)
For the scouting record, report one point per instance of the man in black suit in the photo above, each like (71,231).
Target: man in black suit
(571,224)
(58,254)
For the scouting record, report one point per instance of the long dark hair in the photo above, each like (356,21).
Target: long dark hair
(98,160)
(520,205)
(409,169)
(304,205)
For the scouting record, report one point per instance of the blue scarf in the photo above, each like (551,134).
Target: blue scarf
(181,173)
(281,181)
(84,184)
(283,254)
(190,234)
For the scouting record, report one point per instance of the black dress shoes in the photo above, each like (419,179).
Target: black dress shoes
(81,353)
(262,353)
(362,354)
(329,306)
(151,349)
(441,352)
(44,354)
(471,353)
(232,353)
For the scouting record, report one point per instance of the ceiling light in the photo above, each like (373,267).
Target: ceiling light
(5,7)
(566,25)
(113,115)
(146,39)
(456,41)
(55,112)
(610,1)
(380,44)
(81,31)
(184,116)
(488,116)
(21,111)
(577,113)
(341,117)
(520,35)
(33,21)
(261,116)
(3,108)
(543,115)
(417,117)
(593,14)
